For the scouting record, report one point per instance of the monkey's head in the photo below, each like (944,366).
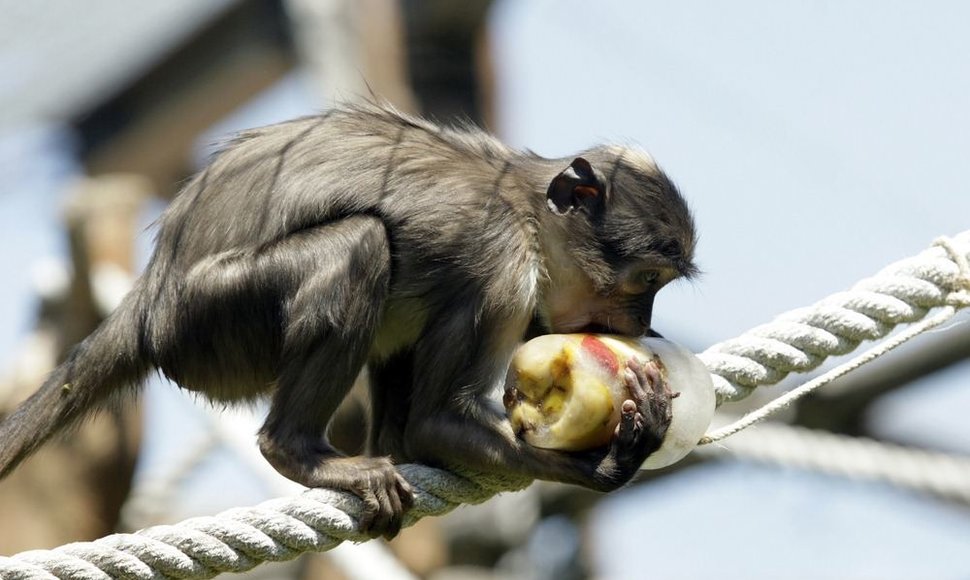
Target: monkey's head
(615,232)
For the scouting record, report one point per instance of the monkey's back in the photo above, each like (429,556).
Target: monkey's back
(272,181)
(436,191)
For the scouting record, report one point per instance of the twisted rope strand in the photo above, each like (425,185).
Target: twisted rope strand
(785,400)
(802,339)
(855,314)
(238,539)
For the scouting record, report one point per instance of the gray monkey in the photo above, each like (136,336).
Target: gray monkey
(362,235)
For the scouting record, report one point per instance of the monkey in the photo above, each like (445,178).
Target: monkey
(308,249)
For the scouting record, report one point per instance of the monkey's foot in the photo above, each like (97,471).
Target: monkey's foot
(386,494)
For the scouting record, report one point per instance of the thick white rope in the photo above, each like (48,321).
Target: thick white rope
(319,519)
(234,430)
(785,400)
(941,474)
(238,539)
(802,339)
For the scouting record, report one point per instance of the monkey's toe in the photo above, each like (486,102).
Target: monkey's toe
(386,495)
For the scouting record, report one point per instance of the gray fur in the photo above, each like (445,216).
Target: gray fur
(310,247)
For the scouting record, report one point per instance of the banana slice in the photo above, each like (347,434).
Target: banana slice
(565,390)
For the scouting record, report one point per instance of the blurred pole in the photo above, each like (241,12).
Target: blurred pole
(74,487)
(448,59)
(352,48)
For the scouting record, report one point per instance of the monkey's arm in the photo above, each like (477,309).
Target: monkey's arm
(480,438)
(466,429)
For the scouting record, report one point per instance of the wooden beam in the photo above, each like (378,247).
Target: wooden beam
(158,145)
(150,127)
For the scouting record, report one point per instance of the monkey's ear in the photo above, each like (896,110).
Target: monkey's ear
(578,186)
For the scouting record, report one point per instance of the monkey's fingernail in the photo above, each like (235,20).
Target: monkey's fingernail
(510,397)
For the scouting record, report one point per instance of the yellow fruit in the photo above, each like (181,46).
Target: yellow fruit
(565,391)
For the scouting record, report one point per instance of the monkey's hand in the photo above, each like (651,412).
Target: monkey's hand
(644,419)
(608,402)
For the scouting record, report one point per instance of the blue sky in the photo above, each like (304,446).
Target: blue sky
(816,141)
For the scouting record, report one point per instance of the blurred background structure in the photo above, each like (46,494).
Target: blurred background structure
(816,142)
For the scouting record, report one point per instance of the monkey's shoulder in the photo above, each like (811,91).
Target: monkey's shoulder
(292,176)
(365,126)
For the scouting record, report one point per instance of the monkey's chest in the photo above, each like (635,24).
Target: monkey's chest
(403,321)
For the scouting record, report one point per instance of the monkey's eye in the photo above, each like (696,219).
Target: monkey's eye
(648,277)
(641,281)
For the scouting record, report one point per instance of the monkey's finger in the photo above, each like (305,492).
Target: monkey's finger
(658,397)
(398,494)
(384,519)
(653,379)
(395,515)
(626,429)
(368,519)
(637,381)
(401,499)
(632,384)
(405,491)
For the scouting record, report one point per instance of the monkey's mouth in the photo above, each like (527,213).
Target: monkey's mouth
(603,324)
(596,328)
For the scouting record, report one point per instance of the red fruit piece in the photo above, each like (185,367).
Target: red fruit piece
(601,354)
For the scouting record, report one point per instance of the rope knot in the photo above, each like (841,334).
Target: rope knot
(959,298)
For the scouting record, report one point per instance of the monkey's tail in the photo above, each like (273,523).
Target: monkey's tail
(105,364)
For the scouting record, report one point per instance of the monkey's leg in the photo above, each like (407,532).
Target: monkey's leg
(331,319)
(390,386)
